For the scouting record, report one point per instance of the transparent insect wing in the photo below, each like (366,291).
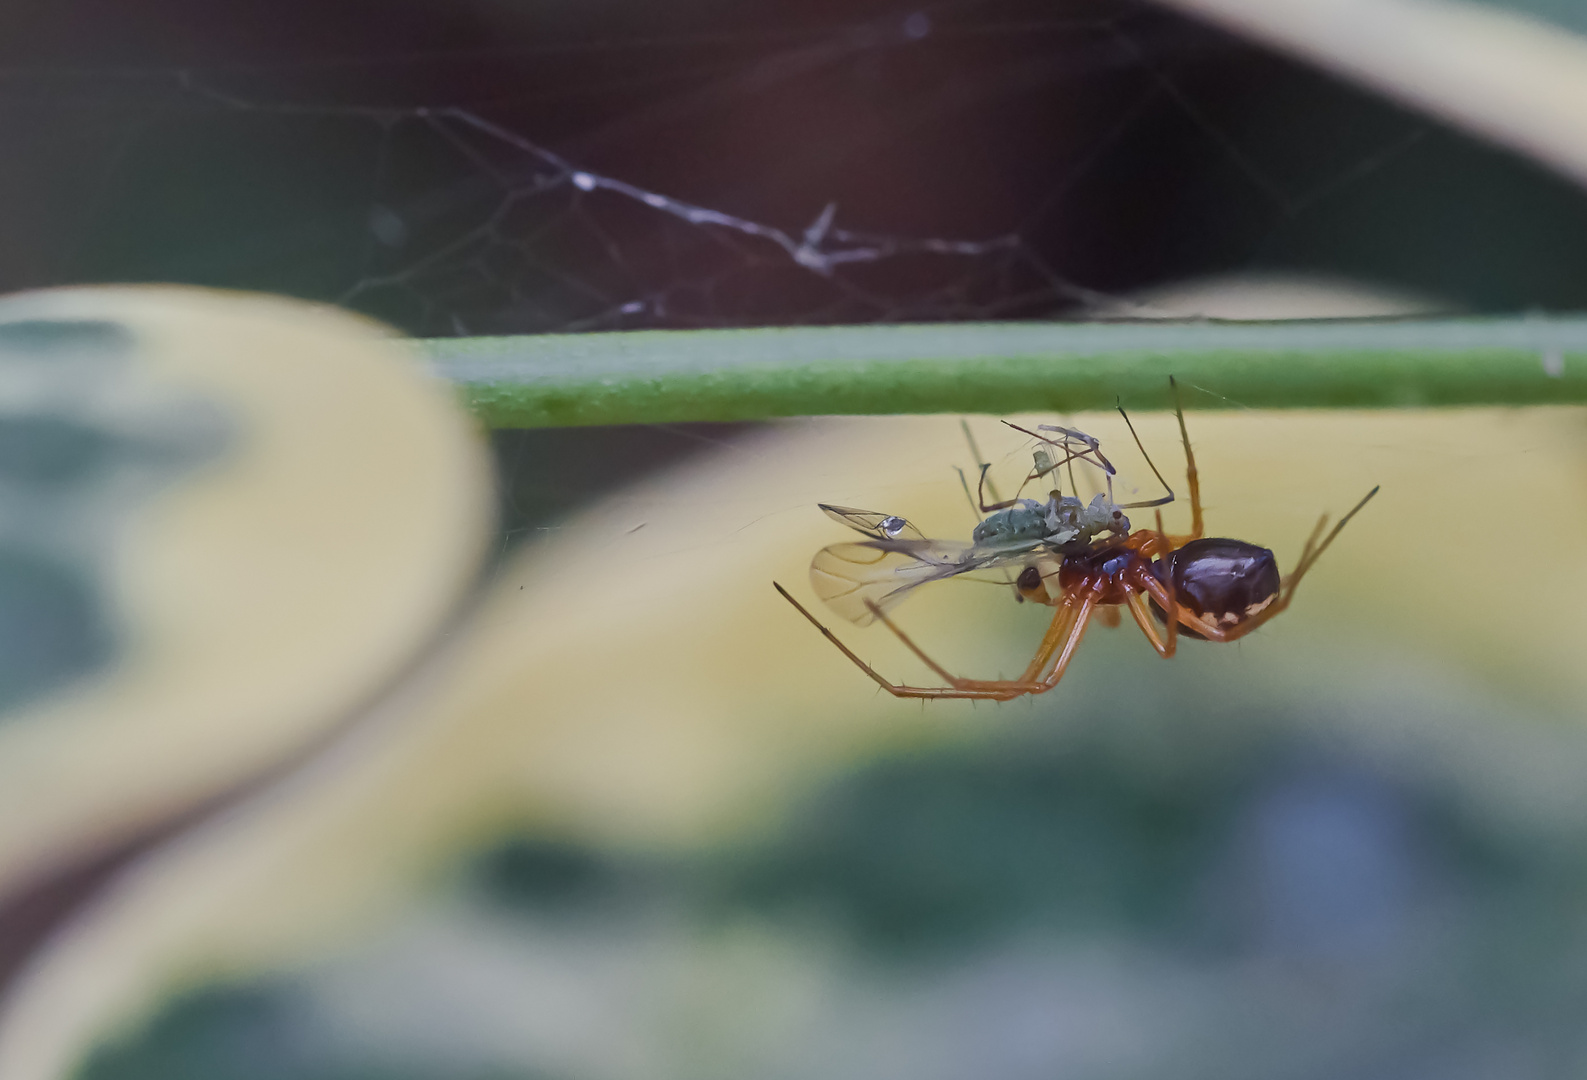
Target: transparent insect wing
(1079,446)
(873,524)
(883,572)
(1066,445)
(1071,436)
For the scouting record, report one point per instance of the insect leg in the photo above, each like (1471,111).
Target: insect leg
(975,452)
(1164,500)
(980,493)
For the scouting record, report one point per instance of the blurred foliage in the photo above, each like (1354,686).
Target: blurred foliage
(243,1034)
(1233,842)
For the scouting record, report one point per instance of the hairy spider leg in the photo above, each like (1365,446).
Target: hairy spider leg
(1067,629)
(1088,604)
(1306,556)
(1057,631)
(1066,621)
(1143,618)
(1192,477)
(941,672)
(1003,693)
(1135,594)
(1171,624)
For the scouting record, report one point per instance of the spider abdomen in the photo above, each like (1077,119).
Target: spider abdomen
(1225,581)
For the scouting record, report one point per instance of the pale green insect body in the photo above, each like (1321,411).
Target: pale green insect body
(1062,523)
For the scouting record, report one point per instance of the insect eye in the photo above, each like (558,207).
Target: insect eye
(1029,579)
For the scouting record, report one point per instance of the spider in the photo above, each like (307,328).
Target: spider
(1080,558)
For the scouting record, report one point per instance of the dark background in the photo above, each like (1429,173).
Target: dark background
(392,156)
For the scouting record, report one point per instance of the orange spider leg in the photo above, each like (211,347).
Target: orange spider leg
(941,672)
(1192,477)
(1153,543)
(1067,628)
(1171,624)
(1143,619)
(1057,632)
(1082,617)
(999,691)
(1166,644)
(1314,551)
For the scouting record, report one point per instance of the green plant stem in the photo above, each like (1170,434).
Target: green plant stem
(560,380)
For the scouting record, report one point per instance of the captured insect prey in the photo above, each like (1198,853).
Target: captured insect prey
(1078,556)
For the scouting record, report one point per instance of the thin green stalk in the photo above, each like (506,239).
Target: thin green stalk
(560,380)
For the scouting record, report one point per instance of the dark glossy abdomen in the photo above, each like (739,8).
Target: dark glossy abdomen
(1230,580)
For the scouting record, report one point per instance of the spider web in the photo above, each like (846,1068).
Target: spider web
(560,247)
(1008,171)
(711,262)
(740,166)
